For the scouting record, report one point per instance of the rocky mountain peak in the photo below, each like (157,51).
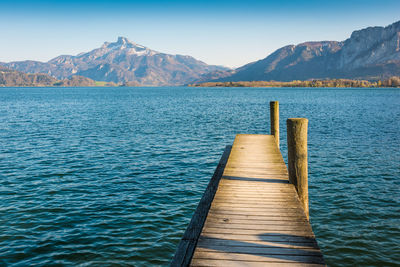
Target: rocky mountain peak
(124,45)
(123,40)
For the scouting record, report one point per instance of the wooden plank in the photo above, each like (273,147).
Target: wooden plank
(264,217)
(269,200)
(254,167)
(257,211)
(259,250)
(262,227)
(269,181)
(262,205)
(252,197)
(255,208)
(245,175)
(232,263)
(278,185)
(270,237)
(198,254)
(255,222)
(271,196)
(257,184)
(209,241)
(256,232)
(249,191)
(249,194)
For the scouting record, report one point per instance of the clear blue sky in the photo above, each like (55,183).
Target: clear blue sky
(230,33)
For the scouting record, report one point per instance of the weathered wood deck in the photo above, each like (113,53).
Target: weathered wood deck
(254,218)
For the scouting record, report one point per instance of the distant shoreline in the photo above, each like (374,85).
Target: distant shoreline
(162,87)
(79,81)
(334,83)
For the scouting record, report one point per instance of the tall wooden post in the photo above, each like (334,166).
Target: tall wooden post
(274,118)
(297,158)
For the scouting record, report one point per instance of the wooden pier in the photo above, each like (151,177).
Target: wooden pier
(251,214)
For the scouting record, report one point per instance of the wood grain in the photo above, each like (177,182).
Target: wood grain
(255,218)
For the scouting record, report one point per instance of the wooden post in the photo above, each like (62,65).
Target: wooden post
(274,118)
(297,158)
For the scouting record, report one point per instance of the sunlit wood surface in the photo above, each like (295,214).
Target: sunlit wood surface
(256,218)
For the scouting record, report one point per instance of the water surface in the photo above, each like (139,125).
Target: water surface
(111,176)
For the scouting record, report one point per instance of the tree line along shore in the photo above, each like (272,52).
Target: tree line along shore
(390,82)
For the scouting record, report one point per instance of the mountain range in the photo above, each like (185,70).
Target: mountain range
(121,62)
(371,53)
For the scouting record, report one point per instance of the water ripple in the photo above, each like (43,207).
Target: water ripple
(111,176)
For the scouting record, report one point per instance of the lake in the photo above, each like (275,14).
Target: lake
(111,176)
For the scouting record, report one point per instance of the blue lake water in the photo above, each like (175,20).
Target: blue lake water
(111,176)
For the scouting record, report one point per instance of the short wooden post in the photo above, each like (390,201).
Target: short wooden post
(274,118)
(297,158)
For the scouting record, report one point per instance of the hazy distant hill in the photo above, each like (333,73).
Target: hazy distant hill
(15,78)
(120,62)
(370,53)
(10,78)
